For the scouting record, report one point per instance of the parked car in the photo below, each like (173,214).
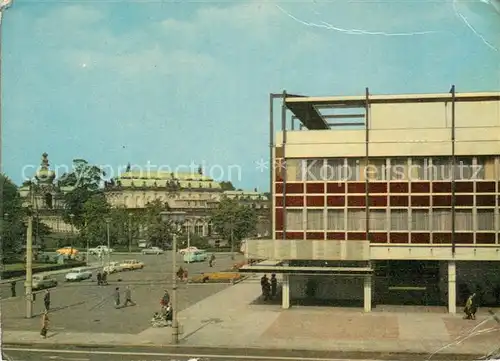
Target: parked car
(196,256)
(188,249)
(100,250)
(152,250)
(42,281)
(131,264)
(78,274)
(67,251)
(113,267)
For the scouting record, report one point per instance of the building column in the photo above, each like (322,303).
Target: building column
(368,293)
(285,292)
(452,287)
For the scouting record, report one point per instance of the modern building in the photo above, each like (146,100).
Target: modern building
(383,199)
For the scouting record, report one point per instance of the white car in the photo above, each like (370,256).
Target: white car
(78,274)
(113,267)
(152,250)
(42,281)
(100,250)
(189,249)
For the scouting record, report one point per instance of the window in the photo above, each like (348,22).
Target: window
(420,220)
(294,169)
(441,168)
(376,169)
(353,169)
(356,220)
(336,219)
(398,169)
(441,220)
(335,170)
(463,220)
(420,169)
(294,220)
(484,168)
(399,219)
(313,169)
(485,220)
(315,219)
(378,219)
(464,168)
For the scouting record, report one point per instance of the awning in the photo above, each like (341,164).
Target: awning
(279,268)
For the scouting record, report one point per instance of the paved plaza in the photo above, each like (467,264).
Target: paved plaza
(86,307)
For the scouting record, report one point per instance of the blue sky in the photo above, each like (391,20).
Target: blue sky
(178,82)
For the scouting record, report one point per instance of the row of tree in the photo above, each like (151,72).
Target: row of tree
(88,211)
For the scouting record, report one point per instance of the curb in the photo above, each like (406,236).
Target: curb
(254,351)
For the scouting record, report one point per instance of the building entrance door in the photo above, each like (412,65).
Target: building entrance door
(407,283)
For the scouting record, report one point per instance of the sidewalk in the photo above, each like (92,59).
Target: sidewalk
(229,319)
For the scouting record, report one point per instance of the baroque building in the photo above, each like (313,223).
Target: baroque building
(46,197)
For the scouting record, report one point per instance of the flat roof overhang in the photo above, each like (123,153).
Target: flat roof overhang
(306,108)
(331,271)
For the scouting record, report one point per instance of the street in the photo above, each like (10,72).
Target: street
(85,307)
(187,353)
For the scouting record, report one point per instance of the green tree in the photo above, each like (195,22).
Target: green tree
(95,211)
(85,179)
(227,186)
(157,232)
(13,230)
(231,218)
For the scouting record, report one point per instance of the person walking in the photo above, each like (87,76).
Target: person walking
(99,278)
(165,300)
(128,297)
(45,325)
(212,260)
(46,300)
(104,280)
(274,285)
(116,295)
(13,288)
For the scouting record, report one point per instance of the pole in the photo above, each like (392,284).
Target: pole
(175,325)
(453,170)
(109,244)
(130,233)
(189,238)
(29,269)
(232,241)
(87,237)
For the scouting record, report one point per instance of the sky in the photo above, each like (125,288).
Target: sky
(186,83)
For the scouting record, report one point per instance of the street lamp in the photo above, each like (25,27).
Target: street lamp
(130,233)
(188,223)
(72,217)
(178,219)
(29,259)
(109,241)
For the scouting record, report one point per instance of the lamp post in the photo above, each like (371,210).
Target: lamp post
(109,241)
(130,233)
(178,219)
(88,245)
(29,260)
(72,218)
(188,223)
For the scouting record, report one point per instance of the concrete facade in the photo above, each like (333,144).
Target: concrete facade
(416,177)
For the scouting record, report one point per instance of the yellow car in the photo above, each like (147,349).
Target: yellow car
(131,264)
(67,251)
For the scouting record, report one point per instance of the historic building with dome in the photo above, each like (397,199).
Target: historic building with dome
(193,193)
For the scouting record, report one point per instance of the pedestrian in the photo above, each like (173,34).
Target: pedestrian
(165,299)
(180,273)
(104,280)
(116,295)
(45,325)
(212,260)
(128,297)
(274,285)
(46,300)
(13,288)
(470,308)
(99,278)
(266,287)
(185,275)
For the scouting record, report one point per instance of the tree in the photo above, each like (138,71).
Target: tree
(158,232)
(86,181)
(227,186)
(13,230)
(233,219)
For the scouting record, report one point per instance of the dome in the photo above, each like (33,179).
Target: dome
(44,175)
